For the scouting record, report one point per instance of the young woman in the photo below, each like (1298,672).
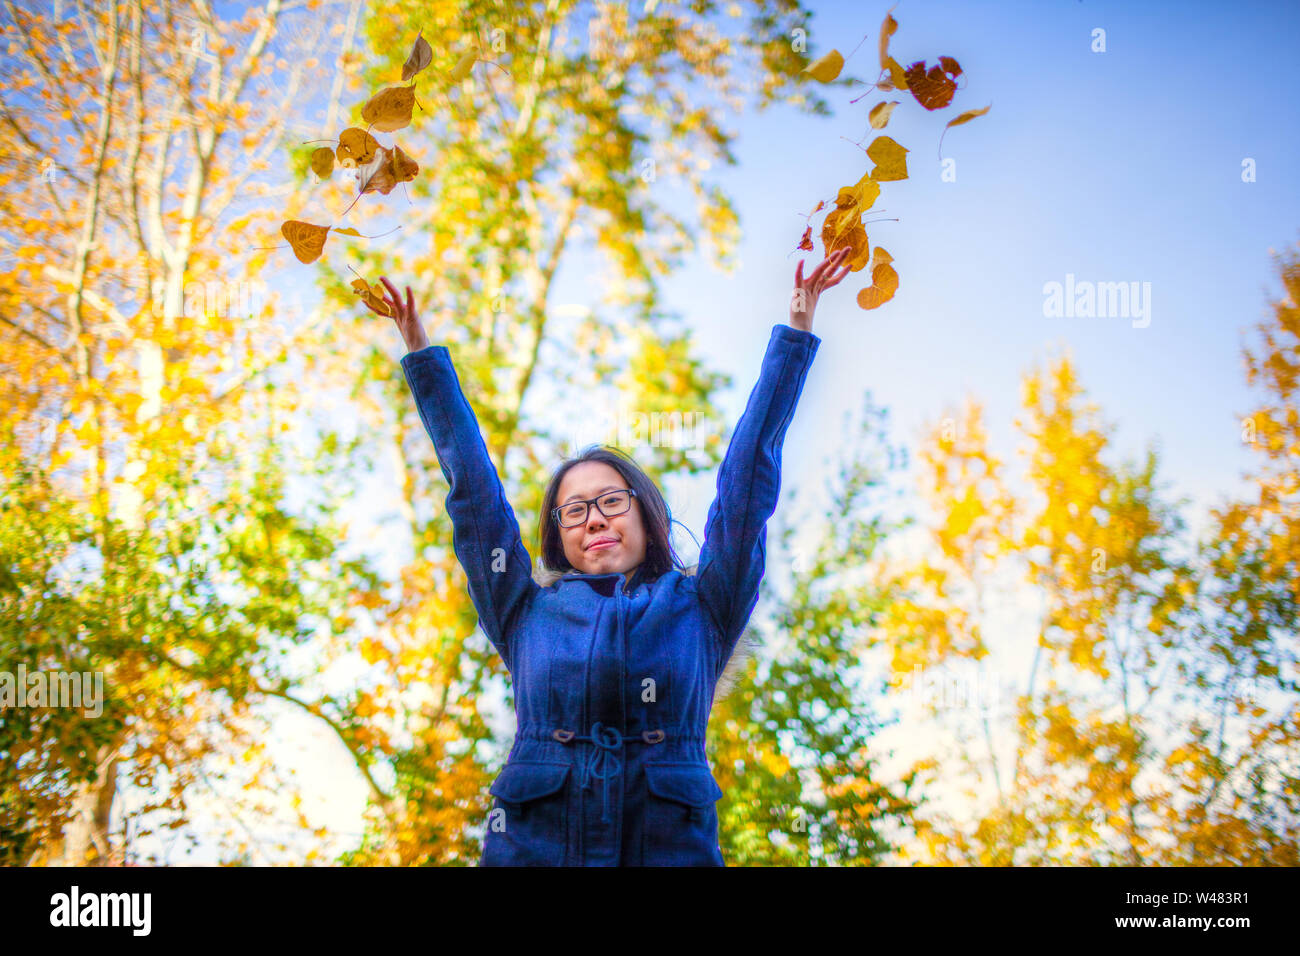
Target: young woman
(613,648)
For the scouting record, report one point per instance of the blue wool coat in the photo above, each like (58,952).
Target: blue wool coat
(613,687)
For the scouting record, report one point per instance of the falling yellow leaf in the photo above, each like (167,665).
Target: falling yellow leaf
(879,114)
(421,56)
(356,147)
(389,109)
(861,196)
(462,67)
(349,231)
(307,240)
(367,292)
(322,162)
(836,224)
(890,159)
(897,79)
(860,248)
(884,281)
(843,227)
(886,31)
(827,68)
(963,118)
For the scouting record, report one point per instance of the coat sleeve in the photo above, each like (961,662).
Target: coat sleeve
(749,484)
(485,534)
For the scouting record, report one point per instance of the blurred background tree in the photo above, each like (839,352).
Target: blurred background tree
(1157,718)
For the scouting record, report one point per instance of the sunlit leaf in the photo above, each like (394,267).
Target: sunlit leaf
(879,114)
(884,282)
(825,68)
(356,147)
(372,296)
(890,159)
(963,118)
(389,109)
(307,240)
(322,162)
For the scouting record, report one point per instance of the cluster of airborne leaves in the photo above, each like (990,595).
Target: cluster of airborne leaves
(377,168)
(843,226)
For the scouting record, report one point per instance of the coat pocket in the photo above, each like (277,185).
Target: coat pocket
(528,825)
(681,823)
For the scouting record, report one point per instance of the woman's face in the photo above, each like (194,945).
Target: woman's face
(589,480)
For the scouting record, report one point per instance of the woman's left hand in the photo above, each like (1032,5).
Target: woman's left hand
(803,300)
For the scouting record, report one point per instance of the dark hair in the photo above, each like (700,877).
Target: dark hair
(660,556)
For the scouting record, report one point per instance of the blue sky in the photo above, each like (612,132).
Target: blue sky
(1123,165)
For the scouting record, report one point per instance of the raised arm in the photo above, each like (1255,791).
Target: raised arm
(732,559)
(485,534)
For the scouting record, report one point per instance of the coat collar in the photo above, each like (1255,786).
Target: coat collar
(744,648)
(546,577)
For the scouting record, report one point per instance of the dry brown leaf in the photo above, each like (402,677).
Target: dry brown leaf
(389,109)
(826,68)
(806,243)
(933,89)
(404,167)
(879,114)
(306,239)
(421,56)
(322,162)
(377,175)
(386,170)
(890,159)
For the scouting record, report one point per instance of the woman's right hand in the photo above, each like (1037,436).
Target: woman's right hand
(404,314)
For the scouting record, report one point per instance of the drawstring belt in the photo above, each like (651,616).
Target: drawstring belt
(603,763)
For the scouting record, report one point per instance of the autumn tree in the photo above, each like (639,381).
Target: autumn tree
(1154,720)
(147,532)
(1234,791)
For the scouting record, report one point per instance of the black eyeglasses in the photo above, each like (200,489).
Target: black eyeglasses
(611,503)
